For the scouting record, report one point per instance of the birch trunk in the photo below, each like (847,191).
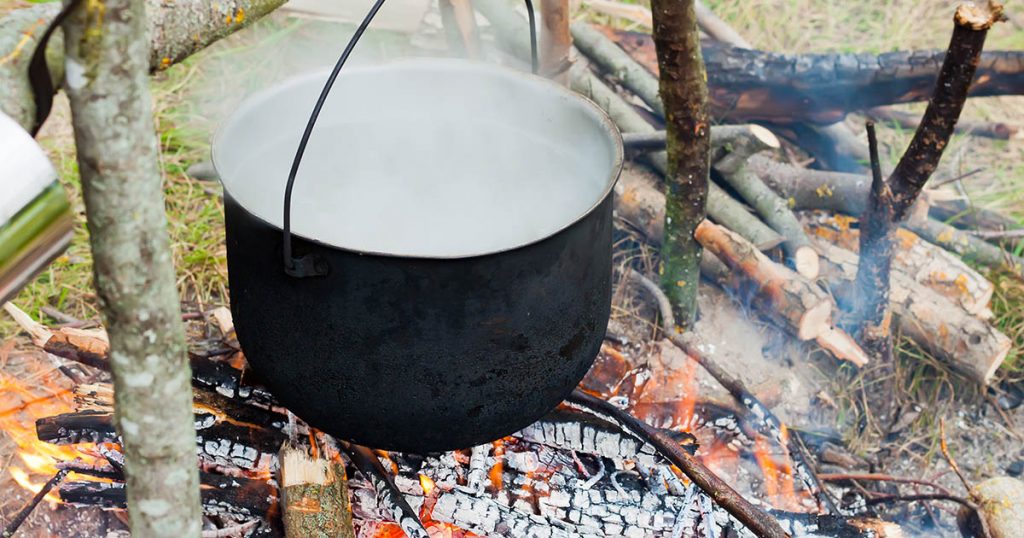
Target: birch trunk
(684,93)
(107,65)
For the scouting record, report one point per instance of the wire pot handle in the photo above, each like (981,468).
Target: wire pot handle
(312,265)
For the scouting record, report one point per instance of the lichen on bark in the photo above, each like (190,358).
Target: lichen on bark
(107,65)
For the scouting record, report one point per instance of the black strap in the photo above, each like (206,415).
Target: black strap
(39,72)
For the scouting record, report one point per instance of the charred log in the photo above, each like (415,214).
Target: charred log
(221,495)
(751,85)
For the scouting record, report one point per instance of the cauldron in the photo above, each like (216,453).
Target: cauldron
(444,276)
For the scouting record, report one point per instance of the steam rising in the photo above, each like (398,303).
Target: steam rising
(433,158)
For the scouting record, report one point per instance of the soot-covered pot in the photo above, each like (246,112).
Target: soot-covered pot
(459,219)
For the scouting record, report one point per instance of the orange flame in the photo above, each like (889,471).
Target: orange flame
(427,484)
(22,401)
(778,475)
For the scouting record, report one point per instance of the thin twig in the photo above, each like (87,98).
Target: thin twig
(759,522)
(753,407)
(878,477)
(23,514)
(949,457)
(963,479)
(388,493)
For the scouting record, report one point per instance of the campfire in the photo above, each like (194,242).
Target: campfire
(574,473)
(664,437)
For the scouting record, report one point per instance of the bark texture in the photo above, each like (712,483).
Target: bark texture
(315,499)
(960,340)
(107,80)
(926,263)
(754,85)
(175,29)
(891,200)
(684,92)
(617,64)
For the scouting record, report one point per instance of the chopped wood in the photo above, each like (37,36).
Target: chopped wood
(314,496)
(769,205)
(847,193)
(967,246)
(842,346)
(718,29)
(618,65)
(966,216)
(908,120)
(959,340)
(797,303)
(721,207)
(924,262)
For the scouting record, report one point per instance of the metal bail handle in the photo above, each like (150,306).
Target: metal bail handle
(314,264)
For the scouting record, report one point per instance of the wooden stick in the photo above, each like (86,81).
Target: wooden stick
(684,91)
(772,208)
(871,314)
(800,305)
(314,496)
(459,22)
(890,201)
(388,494)
(16,522)
(760,523)
(555,40)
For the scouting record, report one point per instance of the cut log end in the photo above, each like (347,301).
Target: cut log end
(298,469)
(766,137)
(815,321)
(842,346)
(1004,345)
(806,262)
(979,15)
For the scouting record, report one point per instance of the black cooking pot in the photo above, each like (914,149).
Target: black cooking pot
(447,272)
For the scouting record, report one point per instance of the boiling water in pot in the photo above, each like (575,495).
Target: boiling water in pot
(418,164)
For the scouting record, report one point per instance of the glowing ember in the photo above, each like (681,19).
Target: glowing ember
(498,468)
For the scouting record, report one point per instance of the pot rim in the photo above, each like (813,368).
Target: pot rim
(602,117)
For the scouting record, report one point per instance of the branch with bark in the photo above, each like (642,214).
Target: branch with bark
(684,91)
(175,31)
(107,55)
(891,200)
